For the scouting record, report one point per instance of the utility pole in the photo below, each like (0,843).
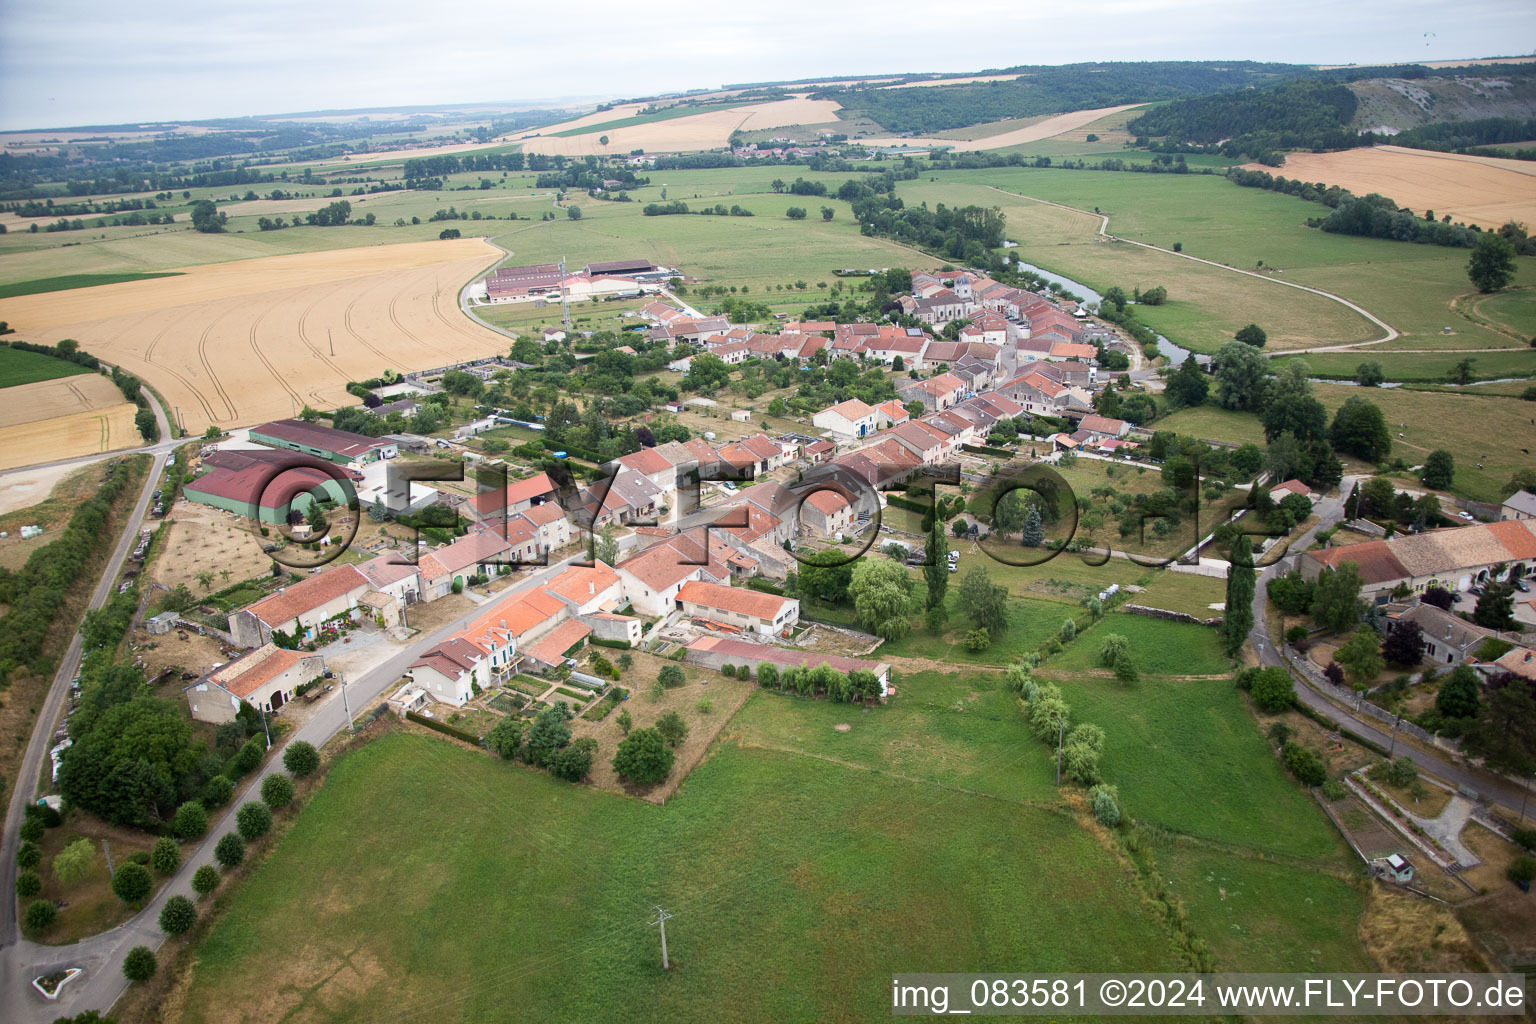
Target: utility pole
(265,729)
(1395,723)
(1523,794)
(661,921)
(108,853)
(345,706)
(565,305)
(330,341)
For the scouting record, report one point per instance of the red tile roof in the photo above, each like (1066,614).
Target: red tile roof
(495,500)
(733,599)
(550,649)
(248,673)
(292,601)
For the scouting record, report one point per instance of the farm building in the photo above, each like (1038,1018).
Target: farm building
(265,678)
(264,485)
(715,651)
(738,607)
(1455,558)
(299,609)
(338,446)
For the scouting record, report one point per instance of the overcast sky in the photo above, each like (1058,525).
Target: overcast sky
(69,62)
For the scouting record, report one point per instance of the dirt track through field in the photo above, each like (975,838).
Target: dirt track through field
(235,344)
(1486,191)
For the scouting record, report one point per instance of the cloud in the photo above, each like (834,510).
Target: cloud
(69,62)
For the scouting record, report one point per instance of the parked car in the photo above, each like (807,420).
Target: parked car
(1522,586)
(1475,591)
(1465,515)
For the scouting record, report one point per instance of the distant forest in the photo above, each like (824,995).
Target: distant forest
(1310,114)
(1050,90)
(1258,124)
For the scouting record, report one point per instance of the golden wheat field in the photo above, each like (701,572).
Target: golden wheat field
(1476,189)
(709,130)
(234,344)
(52,439)
(1047,128)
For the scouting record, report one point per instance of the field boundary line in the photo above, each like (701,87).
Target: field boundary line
(1391,332)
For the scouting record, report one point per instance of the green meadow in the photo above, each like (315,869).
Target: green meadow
(794,883)
(18,366)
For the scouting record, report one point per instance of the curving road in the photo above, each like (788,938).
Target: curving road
(1495,789)
(1389,332)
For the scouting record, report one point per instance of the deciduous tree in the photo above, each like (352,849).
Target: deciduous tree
(643,757)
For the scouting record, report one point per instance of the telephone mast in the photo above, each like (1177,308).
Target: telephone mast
(565,305)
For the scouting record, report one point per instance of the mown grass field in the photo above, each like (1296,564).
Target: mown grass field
(1213,423)
(1160,647)
(794,886)
(1259,916)
(1184,592)
(18,366)
(1472,427)
(1185,755)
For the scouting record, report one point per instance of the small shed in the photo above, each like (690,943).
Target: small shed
(1397,869)
(742,416)
(162,623)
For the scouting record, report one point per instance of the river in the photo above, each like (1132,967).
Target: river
(1173,353)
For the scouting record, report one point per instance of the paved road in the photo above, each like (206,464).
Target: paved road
(102,955)
(1490,787)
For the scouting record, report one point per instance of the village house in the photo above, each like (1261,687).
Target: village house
(739,608)
(652,577)
(931,446)
(517,496)
(1455,558)
(847,420)
(266,678)
(1520,505)
(1279,492)
(297,610)
(825,514)
(891,414)
(477,553)
(1103,427)
(935,393)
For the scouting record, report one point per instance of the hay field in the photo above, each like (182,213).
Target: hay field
(65,437)
(1047,128)
(239,343)
(62,396)
(709,130)
(1479,190)
(62,418)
